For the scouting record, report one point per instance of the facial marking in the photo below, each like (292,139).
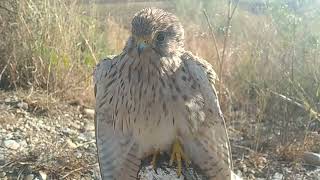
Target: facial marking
(157,29)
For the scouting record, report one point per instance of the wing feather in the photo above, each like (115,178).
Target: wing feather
(116,150)
(209,148)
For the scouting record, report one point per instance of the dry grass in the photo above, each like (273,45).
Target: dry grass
(271,60)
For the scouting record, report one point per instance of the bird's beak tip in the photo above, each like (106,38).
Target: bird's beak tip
(140,47)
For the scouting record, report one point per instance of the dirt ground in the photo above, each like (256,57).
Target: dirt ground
(45,138)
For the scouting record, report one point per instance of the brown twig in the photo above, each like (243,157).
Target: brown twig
(221,57)
(301,105)
(225,41)
(7,164)
(229,18)
(3,70)
(212,35)
(243,147)
(90,48)
(78,169)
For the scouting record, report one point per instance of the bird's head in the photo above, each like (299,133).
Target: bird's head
(156,30)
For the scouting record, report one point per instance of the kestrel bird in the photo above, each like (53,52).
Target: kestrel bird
(157,97)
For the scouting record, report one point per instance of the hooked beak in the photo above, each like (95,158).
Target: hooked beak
(141,45)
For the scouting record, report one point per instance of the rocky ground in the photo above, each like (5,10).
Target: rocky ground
(44,138)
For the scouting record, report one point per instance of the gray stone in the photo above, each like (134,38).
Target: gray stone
(43,175)
(29,177)
(83,137)
(89,112)
(22,105)
(2,174)
(277,176)
(11,144)
(71,144)
(311,158)
(23,143)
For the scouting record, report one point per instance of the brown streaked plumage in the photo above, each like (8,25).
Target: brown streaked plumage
(153,93)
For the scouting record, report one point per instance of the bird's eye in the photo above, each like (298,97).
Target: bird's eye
(160,37)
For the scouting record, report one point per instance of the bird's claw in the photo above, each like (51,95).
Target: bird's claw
(154,159)
(178,155)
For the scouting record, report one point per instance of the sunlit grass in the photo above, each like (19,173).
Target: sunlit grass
(272,60)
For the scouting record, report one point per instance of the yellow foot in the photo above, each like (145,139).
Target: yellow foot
(178,155)
(154,159)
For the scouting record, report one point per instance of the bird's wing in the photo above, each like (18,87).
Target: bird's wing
(116,150)
(100,71)
(209,148)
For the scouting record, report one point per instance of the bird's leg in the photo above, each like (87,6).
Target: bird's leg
(178,155)
(154,158)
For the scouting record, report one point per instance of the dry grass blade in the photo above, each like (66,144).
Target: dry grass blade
(221,57)
(90,48)
(212,35)
(79,169)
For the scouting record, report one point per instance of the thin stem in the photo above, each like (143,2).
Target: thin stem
(212,35)
(90,48)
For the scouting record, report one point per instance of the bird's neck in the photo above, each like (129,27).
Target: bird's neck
(162,66)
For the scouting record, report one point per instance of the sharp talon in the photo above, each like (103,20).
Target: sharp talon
(178,155)
(154,159)
(187,162)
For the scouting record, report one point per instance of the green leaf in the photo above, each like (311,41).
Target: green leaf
(66,60)
(53,57)
(89,61)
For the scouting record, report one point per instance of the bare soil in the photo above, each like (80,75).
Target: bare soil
(42,137)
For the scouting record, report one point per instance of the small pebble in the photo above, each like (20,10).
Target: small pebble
(277,176)
(11,144)
(311,158)
(29,177)
(43,175)
(71,144)
(2,174)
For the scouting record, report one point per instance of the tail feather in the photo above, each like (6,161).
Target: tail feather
(210,153)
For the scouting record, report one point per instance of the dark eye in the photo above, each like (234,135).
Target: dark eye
(160,37)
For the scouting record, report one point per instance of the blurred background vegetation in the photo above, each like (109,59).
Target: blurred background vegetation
(268,57)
